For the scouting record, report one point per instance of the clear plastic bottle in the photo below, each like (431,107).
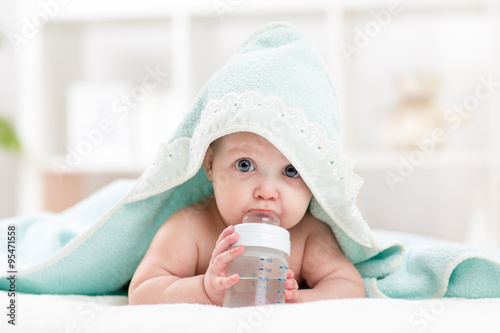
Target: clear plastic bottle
(262,266)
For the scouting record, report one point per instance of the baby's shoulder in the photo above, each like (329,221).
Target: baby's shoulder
(311,230)
(194,218)
(310,225)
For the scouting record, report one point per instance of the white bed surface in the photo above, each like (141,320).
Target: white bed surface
(53,313)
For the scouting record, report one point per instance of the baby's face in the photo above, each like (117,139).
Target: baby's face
(249,173)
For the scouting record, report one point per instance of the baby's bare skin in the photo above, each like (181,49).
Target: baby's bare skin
(188,257)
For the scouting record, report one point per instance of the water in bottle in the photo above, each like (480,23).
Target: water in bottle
(262,266)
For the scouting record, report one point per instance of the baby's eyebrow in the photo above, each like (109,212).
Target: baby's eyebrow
(241,150)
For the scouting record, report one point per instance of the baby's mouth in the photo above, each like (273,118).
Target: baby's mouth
(263,211)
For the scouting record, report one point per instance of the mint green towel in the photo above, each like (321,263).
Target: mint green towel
(436,268)
(276,86)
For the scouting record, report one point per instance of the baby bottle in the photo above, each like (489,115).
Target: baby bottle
(262,266)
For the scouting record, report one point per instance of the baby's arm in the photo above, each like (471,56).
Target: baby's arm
(326,269)
(167,273)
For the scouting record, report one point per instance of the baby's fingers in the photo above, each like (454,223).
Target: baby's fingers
(292,296)
(291,284)
(226,232)
(227,282)
(220,262)
(215,286)
(223,244)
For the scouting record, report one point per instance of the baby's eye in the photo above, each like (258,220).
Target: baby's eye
(290,171)
(245,165)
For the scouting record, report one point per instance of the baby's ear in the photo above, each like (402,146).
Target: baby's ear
(208,162)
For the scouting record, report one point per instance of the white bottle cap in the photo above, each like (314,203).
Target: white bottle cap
(263,235)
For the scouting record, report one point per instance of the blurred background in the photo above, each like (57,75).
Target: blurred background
(89,88)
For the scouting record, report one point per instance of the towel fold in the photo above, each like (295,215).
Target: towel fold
(436,268)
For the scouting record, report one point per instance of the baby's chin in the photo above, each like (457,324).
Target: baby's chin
(289,223)
(231,221)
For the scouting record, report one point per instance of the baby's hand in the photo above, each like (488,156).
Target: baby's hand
(292,288)
(216,280)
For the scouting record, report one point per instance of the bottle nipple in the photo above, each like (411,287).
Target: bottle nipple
(261,217)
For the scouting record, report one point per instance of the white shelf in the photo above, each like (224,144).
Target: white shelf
(422,5)
(112,165)
(377,160)
(108,10)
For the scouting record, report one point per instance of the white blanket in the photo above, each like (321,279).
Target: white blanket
(52,313)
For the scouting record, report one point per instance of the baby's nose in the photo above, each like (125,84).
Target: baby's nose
(266,189)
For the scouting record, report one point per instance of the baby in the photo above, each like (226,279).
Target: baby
(187,259)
